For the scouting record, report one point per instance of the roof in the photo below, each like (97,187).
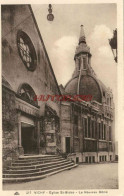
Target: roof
(88,85)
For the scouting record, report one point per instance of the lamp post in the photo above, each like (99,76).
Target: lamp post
(50,16)
(113,44)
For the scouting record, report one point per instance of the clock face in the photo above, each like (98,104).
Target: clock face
(26,50)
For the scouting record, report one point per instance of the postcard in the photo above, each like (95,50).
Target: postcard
(62,98)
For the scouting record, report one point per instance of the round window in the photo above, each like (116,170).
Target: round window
(26,50)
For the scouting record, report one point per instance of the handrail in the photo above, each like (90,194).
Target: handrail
(64,155)
(58,151)
(71,154)
(11,151)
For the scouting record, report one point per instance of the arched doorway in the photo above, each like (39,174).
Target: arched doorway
(27,120)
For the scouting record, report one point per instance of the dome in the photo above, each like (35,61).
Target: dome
(88,86)
(71,86)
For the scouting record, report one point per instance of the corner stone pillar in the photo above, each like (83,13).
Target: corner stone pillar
(71,131)
(80,132)
(21,150)
(38,135)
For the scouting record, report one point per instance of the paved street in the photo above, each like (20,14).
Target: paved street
(97,176)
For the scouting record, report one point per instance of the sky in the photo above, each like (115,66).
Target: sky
(61,38)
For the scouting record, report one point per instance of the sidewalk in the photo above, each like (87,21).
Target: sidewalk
(93,176)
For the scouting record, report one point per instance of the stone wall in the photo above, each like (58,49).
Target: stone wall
(17,18)
(9,126)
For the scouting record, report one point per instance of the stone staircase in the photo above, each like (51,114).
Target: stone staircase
(29,168)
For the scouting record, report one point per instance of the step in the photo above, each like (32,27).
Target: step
(31,170)
(22,160)
(38,159)
(26,179)
(36,162)
(41,172)
(30,166)
(37,156)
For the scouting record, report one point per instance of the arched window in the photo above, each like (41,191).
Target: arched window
(26,93)
(26,50)
(110,101)
(84,63)
(79,64)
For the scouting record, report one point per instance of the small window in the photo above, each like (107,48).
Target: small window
(104,132)
(79,64)
(90,159)
(89,120)
(110,101)
(93,159)
(102,158)
(109,133)
(85,125)
(76,120)
(84,63)
(86,159)
(93,131)
(77,159)
(99,131)
(26,50)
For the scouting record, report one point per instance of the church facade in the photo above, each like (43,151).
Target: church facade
(82,130)
(29,126)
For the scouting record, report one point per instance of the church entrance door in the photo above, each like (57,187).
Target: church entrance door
(27,138)
(67,144)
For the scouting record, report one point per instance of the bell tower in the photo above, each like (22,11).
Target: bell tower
(82,56)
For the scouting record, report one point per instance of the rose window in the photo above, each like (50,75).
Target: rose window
(26,51)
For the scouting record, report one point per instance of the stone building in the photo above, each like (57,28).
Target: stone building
(87,128)
(28,126)
(83,130)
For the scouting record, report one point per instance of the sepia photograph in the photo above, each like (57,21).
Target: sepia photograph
(59,97)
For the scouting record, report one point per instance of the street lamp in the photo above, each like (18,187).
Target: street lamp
(50,16)
(113,44)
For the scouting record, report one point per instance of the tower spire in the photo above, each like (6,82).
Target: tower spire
(82,47)
(82,36)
